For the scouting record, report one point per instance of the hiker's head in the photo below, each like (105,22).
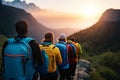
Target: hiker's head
(21,27)
(73,39)
(62,37)
(69,41)
(49,37)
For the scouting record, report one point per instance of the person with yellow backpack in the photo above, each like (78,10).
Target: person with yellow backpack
(51,58)
(78,48)
(78,52)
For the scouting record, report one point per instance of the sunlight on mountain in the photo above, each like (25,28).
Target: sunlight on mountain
(81,17)
(89,11)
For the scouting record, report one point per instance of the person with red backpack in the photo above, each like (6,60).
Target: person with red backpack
(20,55)
(71,58)
(78,52)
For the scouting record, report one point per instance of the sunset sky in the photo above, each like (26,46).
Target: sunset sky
(89,9)
(77,6)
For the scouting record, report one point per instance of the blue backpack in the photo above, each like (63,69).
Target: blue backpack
(44,68)
(18,61)
(64,54)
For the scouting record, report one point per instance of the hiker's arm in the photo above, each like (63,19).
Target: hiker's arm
(36,52)
(80,49)
(58,55)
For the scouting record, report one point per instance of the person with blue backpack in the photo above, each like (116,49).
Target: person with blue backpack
(64,67)
(20,55)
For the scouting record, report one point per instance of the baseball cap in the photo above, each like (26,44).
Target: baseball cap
(62,36)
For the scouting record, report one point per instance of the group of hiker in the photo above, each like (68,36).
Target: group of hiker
(24,59)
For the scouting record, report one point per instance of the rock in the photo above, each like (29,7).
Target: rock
(85,63)
(82,70)
(82,73)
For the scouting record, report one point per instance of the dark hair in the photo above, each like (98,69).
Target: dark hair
(62,40)
(49,37)
(73,39)
(21,27)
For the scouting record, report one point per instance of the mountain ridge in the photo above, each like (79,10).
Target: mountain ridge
(10,15)
(103,35)
(50,18)
(110,15)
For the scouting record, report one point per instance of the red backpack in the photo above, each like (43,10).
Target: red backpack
(71,53)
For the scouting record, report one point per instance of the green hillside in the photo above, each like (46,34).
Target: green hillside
(102,36)
(101,46)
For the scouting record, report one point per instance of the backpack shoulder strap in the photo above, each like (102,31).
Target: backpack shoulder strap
(52,46)
(10,40)
(27,39)
(47,45)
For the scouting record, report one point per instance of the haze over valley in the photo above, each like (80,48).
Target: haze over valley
(55,19)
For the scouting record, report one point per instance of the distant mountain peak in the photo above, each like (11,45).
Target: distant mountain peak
(17,1)
(111,15)
(21,4)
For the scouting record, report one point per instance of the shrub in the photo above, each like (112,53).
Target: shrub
(111,60)
(107,73)
(107,65)
(95,76)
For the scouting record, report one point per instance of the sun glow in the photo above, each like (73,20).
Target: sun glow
(89,11)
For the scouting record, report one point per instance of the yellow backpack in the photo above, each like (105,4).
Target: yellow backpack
(49,49)
(78,50)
